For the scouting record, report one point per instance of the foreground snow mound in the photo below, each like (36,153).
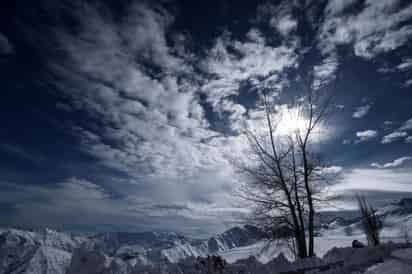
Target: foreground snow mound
(400,262)
(351,260)
(214,264)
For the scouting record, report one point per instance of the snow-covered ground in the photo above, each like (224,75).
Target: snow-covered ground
(400,262)
(265,251)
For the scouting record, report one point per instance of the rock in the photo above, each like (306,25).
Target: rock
(357,244)
(85,261)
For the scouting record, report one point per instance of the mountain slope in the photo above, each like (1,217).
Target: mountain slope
(31,252)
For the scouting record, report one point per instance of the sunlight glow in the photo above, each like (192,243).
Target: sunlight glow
(291,121)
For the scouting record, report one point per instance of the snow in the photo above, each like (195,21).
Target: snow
(36,260)
(47,260)
(235,254)
(45,251)
(183,250)
(263,251)
(400,262)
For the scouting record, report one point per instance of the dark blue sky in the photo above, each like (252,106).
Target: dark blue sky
(124,116)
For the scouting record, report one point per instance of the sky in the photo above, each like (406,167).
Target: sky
(126,115)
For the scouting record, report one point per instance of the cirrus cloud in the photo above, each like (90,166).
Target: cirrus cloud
(361,111)
(393,137)
(395,163)
(6,47)
(366,135)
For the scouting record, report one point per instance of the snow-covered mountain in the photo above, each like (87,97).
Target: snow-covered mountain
(233,238)
(48,251)
(153,247)
(45,251)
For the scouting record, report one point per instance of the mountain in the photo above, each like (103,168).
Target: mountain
(233,238)
(45,251)
(152,247)
(48,251)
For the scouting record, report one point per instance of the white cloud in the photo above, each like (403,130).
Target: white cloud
(335,7)
(284,25)
(282,18)
(145,116)
(346,142)
(332,170)
(232,62)
(407,83)
(361,111)
(366,135)
(6,47)
(408,139)
(372,46)
(279,17)
(390,180)
(87,204)
(405,65)
(407,125)
(399,133)
(71,195)
(394,136)
(395,163)
(372,31)
(325,72)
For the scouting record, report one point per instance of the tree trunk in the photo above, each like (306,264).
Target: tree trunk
(302,237)
(298,205)
(311,225)
(300,244)
(311,228)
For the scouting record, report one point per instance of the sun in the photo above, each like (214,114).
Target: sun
(291,121)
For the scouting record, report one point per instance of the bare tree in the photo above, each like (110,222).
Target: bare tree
(371,223)
(316,110)
(404,233)
(283,173)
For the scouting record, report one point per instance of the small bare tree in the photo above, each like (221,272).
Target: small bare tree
(283,175)
(404,233)
(371,224)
